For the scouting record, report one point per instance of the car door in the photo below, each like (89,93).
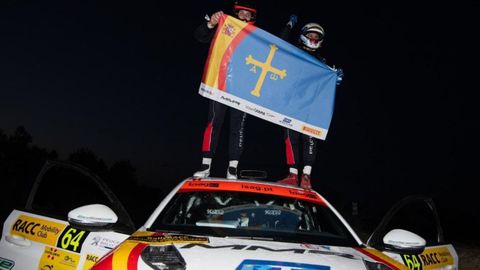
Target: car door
(42,236)
(418,215)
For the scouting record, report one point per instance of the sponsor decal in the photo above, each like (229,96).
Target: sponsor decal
(256,110)
(245,247)
(230,100)
(54,258)
(38,230)
(255,248)
(200,184)
(278,265)
(256,187)
(165,239)
(313,131)
(90,260)
(6,264)
(206,91)
(286,122)
(301,193)
(47,267)
(271,115)
(105,243)
(72,239)
(196,185)
(433,258)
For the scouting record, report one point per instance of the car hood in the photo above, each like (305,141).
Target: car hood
(144,250)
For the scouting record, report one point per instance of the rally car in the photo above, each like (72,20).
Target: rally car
(216,224)
(242,224)
(70,220)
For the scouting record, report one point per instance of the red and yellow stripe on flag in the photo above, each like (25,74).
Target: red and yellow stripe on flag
(230,32)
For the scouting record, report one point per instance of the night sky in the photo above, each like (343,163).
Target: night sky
(121,78)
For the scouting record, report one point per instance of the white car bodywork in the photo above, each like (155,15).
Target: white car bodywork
(165,242)
(257,225)
(39,242)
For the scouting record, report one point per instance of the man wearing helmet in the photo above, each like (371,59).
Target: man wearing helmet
(246,11)
(310,40)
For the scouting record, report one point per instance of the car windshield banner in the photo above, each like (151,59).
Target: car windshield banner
(256,72)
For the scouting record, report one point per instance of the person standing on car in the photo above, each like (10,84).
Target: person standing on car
(246,11)
(310,40)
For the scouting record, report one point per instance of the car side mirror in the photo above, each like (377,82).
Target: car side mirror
(92,215)
(402,241)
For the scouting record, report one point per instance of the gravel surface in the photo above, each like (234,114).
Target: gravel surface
(468,256)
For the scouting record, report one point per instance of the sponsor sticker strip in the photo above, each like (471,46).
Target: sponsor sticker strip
(195,185)
(38,230)
(6,264)
(55,258)
(431,258)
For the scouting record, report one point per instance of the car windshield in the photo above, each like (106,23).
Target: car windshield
(252,215)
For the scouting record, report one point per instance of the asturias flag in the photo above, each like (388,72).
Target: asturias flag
(256,72)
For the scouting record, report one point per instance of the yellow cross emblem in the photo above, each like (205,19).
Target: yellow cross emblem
(266,67)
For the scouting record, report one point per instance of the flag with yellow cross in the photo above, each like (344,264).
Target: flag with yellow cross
(256,72)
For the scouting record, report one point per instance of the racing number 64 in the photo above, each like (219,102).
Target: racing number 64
(71,239)
(412,262)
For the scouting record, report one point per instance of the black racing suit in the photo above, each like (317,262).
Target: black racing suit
(216,115)
(292,137)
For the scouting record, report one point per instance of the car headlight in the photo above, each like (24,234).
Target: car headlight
(163,258)
(376,266)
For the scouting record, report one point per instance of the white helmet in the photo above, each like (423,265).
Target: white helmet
(312,44)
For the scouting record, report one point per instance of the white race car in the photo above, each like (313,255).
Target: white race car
(46,235)
(227,224)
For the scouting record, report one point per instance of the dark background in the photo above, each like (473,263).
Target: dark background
(116,82)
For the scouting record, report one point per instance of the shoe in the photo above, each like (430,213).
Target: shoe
(232,173)
(291,179)
(305,183)
(204,171)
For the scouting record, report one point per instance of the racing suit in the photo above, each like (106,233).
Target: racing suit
(216,115)
(291,137)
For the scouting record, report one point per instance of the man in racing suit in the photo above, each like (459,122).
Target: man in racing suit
(246,11)
(310,39)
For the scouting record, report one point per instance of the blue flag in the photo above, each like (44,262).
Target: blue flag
(256,72)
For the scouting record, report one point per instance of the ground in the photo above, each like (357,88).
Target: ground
(469,256)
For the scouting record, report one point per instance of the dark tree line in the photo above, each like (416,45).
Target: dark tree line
(21,160)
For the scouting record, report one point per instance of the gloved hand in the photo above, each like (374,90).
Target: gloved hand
(293,20)
(339,75)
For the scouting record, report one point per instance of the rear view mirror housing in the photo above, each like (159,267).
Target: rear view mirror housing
(93,215)
(402,241)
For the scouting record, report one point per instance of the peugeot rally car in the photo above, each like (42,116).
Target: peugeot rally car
(241,224)
(212,224)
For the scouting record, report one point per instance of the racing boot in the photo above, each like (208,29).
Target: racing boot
(232,170)
(291,179)
(204,169)
(305,182)
(305,179)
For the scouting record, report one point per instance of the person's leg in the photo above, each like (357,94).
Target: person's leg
(236,141)
(211,135)
(291,153)
(309,157)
